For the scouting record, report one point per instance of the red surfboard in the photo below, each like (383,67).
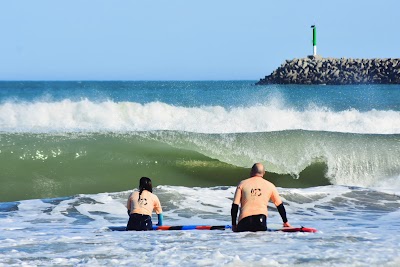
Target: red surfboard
(296,229)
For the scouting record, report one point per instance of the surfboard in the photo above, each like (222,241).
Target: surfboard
(192,227)
(217,227)
(178,227)
(294,229)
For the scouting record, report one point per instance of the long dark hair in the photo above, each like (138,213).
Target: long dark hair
(145,184)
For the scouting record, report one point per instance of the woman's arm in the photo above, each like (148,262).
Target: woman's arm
(128,204)
(160,219)
(158,209)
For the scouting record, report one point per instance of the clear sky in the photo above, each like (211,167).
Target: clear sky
(185,39)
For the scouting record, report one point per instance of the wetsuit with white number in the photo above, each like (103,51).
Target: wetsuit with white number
(141,210)
(253,195)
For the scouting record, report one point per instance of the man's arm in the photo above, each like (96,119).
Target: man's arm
(235,206)
(282,212)
(279,205)
(234,211)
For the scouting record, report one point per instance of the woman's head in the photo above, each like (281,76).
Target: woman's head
(145,184)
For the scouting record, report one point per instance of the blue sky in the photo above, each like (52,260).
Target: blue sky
(185,40)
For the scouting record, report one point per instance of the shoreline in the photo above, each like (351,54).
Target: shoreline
(335,71)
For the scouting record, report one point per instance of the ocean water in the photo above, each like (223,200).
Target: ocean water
(71,152)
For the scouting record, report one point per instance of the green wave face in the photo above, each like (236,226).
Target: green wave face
(52,165)
(41,166)
(350,159)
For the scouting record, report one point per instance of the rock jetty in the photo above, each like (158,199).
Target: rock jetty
(318,70)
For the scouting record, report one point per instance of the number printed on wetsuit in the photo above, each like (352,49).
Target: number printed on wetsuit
(143,201)
(255,192)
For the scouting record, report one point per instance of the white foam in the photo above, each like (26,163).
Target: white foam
(350,234)
(390,185)
(91,116)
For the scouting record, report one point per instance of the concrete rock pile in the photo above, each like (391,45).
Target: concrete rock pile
(318,70)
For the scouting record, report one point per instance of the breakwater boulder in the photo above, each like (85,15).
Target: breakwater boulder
(318,70)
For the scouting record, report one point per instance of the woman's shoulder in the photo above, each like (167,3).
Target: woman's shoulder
(134,193)
(153,195)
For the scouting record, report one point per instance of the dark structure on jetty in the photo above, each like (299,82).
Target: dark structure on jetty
(318,70)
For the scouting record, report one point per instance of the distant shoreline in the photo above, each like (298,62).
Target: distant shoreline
(335,71)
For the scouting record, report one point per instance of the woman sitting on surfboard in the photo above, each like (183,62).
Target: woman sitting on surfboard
(141,205)
(253,195)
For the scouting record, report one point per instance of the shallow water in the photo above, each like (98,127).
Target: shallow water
(356,227)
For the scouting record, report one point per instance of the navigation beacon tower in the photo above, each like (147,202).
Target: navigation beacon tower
(314,40)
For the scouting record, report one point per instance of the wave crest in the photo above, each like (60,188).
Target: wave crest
(89,116)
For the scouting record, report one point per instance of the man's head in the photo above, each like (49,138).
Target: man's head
(257,170)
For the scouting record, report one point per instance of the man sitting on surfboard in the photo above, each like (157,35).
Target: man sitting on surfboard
(140,206)
(253,195)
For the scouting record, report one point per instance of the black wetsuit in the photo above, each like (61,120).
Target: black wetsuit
(139,222)
(253,223)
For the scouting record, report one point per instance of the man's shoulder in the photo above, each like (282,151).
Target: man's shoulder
(252,180)
(245,181)
(269,183)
